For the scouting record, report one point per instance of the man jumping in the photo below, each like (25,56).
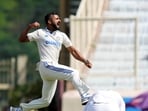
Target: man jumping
(49,42)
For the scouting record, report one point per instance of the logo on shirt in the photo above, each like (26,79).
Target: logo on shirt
(54,43)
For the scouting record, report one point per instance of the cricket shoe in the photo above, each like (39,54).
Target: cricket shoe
(84,100)
(15,108)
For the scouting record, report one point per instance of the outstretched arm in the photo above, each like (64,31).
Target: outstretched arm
(23,37)
(78,56)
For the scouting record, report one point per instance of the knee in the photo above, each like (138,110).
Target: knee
(46,103)
(75,74)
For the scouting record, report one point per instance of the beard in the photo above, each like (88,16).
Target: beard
(55,27)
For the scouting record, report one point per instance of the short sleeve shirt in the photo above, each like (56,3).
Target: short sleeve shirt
(49,44)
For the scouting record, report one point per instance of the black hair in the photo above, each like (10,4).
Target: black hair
(48,16)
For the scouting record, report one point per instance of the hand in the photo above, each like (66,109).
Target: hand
(34,25)
(87,63)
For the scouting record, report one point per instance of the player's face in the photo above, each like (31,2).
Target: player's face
(55,22)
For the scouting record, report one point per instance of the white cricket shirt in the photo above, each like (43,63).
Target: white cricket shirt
(105,101)
(49,44)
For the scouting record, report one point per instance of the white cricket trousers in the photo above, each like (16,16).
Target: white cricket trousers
(50,73)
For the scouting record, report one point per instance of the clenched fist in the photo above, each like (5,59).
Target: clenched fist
(34,25)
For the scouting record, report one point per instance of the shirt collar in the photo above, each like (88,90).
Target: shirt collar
(47,30)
